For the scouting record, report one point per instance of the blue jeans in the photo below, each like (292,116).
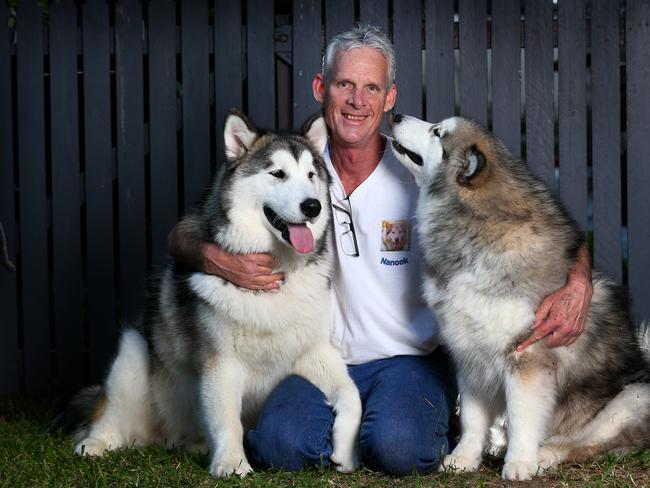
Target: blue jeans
(406,402)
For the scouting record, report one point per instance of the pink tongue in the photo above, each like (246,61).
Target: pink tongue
(301,238)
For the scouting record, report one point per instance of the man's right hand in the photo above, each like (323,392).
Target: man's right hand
(252,271)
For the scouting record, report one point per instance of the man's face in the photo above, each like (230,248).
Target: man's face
(355,96)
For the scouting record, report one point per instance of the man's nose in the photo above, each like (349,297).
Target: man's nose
(357,98)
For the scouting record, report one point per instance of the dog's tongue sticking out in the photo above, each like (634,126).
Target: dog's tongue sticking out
(301,238)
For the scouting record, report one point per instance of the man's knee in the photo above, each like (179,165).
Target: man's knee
(293,430)
(286,448)
(398,449)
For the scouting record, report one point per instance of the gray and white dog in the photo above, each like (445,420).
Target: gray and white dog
(495,243)
(209,353)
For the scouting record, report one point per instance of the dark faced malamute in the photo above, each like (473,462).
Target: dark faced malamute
(209,353)
(495,242)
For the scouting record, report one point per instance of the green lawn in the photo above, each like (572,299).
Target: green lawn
(31,457)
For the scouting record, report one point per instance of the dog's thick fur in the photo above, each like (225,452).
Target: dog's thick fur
(495,242)
(209,353)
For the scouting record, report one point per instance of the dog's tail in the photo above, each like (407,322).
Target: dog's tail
(644,338)
(79,413)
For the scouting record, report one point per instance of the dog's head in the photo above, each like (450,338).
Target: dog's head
(275,186)
(458,148)
(395,235)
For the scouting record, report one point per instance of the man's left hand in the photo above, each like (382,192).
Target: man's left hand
(562,316)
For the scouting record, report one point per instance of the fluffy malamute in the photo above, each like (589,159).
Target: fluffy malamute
(495,242)
(209,353)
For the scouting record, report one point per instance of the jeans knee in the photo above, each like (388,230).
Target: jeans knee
(285,445)
(398,450)
(282,449)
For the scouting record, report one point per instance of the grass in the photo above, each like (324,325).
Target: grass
(32,457)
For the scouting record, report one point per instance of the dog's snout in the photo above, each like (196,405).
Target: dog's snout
(397,118)
(310,207)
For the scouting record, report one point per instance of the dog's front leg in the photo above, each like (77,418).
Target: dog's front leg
(530,401)
(221,391)
(475,420)
(322,366)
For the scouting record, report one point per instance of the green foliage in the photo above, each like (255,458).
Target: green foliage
(12,5)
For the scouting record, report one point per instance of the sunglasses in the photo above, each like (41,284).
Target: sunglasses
(343,216)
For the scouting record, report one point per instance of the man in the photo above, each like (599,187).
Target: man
(386,335)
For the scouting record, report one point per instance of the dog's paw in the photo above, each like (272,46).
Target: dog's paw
(346,460)
(197,448)
(453,462)
(91,446)
(550,457)
(223,468)
(519,470)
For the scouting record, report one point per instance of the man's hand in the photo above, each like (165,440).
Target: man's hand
(252,271)
(562,316)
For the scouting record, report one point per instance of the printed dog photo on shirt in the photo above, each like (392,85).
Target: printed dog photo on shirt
(395,235)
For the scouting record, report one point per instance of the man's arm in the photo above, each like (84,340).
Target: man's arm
(562,316)
(252,271)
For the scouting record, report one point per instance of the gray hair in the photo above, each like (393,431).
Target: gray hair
(362,35)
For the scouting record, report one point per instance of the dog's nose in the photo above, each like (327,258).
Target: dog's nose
(397,118)
(310,207)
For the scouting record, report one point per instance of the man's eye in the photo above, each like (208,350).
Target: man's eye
(278,173)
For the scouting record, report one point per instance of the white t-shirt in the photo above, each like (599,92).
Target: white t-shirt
(377,307)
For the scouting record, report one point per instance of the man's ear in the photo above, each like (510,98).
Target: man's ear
(315,130)
(390,98)
(318,88)
(473,166)
(239,134)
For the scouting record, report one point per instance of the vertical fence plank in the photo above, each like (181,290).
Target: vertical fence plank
(100,275)
(196,103)
(66,198)
(637,20)
(573,109)
(374,12)
(228,57)
(8,276)
(339,16)
(407,38)
(606,141)
(162,124)
(130,157)
(306,57)
(33,202)
(506,68)
(473,59)
(539,89)
(439,59)
(261,63)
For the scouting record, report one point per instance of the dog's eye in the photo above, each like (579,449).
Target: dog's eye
(311,175)
(278,173)
(436,131)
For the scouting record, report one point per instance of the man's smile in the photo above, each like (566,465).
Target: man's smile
(355,117)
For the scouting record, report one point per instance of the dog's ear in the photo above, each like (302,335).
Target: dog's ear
(472,166)
(239,134)
(315,130)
